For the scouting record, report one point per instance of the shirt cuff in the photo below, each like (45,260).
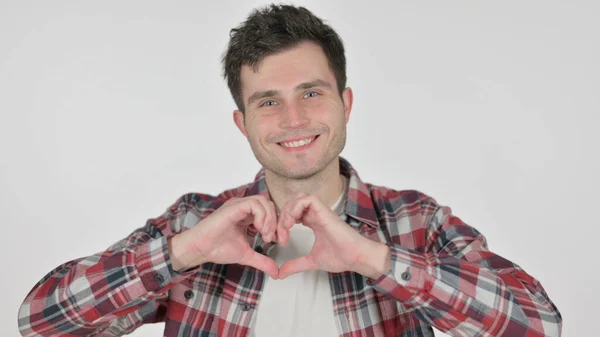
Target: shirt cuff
(409,270)
(154,266)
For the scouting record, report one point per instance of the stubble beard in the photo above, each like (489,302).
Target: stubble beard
(276,166)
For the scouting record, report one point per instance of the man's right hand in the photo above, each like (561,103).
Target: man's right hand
(221,237)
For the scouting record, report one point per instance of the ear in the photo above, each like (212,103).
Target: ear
(347,97)
(238,119)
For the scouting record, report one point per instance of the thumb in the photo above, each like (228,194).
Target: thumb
(296,266)
(263,263)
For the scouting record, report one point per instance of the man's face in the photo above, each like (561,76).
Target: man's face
(295,119)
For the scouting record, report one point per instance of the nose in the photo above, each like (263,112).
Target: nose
(293,116)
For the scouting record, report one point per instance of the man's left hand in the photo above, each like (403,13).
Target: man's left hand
(337,246)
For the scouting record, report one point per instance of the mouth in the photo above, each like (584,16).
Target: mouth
(299,144)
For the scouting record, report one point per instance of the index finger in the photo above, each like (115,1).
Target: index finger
(285,221)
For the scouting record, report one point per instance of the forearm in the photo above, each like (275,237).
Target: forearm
(83,295)
(461,295)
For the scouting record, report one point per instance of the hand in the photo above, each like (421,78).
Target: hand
(337,247)
(221,237)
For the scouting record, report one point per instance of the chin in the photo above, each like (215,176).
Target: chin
(291,171)
(303,169)
(295,166)
(301,174)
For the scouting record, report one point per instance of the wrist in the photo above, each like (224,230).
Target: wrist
(376,261)
(178,252)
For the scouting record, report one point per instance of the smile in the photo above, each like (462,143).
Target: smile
(299,143)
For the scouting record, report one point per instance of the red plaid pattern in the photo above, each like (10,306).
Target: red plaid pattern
(442,275)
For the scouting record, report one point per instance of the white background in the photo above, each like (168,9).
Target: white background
(109,111)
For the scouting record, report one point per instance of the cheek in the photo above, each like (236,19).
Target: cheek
(260,129)
(324,104)
(316,105)
(326,111)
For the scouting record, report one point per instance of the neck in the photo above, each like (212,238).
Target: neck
(326,185)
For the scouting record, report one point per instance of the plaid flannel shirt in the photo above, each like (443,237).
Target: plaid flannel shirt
(442,275)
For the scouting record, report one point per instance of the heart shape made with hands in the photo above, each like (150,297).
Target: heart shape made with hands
(337,247)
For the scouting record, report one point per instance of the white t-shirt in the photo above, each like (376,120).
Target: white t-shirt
(301,304)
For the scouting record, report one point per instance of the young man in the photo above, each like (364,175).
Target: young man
(308,248)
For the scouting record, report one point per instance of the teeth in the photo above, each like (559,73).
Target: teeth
(299,143)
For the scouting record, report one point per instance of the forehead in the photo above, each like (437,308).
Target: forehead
(286,69)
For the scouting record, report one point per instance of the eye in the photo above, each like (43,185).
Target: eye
(268,103)
(311,94)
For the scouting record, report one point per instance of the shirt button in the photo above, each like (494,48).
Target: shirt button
(188,294)
(219,290)
(159,278)
(258,249)
(405,276)
(246,307)
(370,281)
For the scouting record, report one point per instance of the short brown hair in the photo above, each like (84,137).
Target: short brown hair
(275,28)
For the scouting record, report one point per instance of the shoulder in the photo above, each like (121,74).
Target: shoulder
(402,201)
(209,202)
(190,208)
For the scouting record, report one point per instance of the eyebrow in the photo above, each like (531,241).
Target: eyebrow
(302,86)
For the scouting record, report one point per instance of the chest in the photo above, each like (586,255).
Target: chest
(223,300)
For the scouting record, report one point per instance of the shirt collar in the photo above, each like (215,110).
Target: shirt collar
(359,204)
